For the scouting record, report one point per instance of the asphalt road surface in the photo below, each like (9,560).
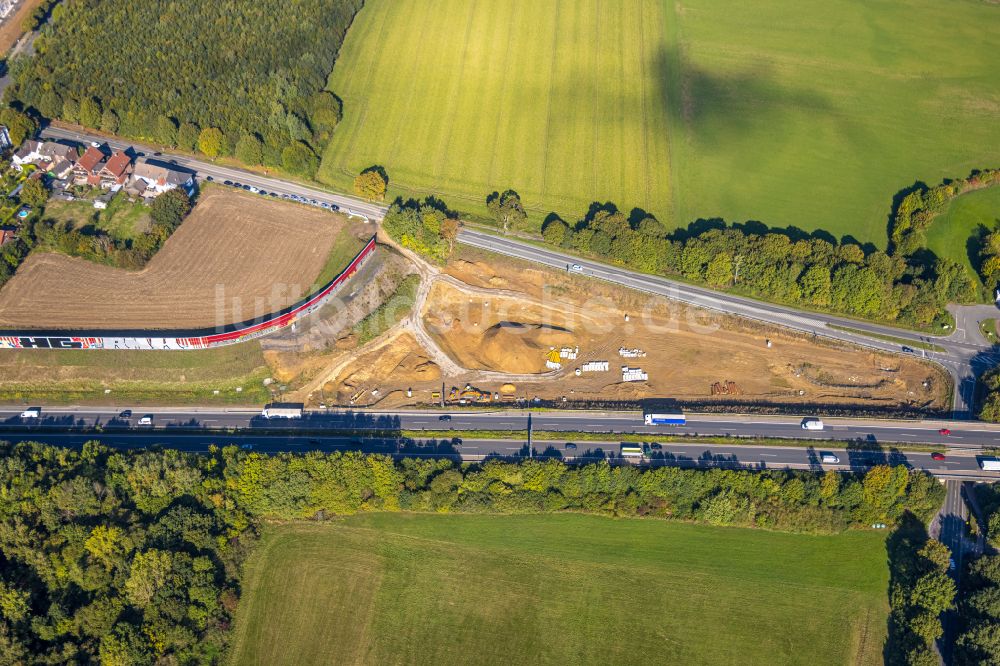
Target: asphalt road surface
(691,455)
(962,435)
(219,173)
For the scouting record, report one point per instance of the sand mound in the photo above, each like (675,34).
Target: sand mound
(518,347)
(416,368)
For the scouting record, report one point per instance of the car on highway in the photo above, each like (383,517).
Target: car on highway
(829,458)
(444,417)
(576,267)
(146,420)
(656,446)
(246,447)
(944,431)
(570,446)
(909,350)
(951,564)
(32,413)
(937,456)
(125,414)
(157,154)
(95,144)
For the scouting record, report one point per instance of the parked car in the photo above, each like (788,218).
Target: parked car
(335,206)
(227,182)
(209,178)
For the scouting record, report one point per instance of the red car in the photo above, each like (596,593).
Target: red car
(944,431)
(937,456)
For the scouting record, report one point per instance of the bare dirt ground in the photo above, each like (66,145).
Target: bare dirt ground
(490,321)
(236,257)
(10,28)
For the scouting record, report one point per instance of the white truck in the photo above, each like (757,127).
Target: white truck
(812,423)
(991,464)
(31,413)
(279,410)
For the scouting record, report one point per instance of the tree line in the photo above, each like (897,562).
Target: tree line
(920,590)
(134,557)
(225,78)
(788,266)
(427,227)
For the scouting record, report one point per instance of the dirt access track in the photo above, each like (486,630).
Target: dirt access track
(491,315)
(236,257)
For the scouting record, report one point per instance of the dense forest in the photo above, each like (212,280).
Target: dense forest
(224,77)
(134,557)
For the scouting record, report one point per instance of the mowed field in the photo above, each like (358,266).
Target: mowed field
(558,589)
(965,218)
(201,376)
(560,100)
(791,114)
(236,257)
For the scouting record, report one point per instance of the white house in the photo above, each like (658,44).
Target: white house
(151,179)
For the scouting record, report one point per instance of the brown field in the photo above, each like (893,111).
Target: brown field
(687,350)
(236,257)
(10,29)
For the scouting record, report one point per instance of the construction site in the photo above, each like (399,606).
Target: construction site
(487,329)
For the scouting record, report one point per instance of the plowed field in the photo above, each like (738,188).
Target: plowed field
(236,257)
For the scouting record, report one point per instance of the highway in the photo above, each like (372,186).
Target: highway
(965,354)
(962,465)
(963,435)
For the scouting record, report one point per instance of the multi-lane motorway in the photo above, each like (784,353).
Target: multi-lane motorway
(870,441)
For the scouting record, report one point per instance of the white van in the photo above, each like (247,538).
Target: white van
(812,423)
(146,420)
(31,413)
(829,459)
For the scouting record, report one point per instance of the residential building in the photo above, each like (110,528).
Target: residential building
(116,170)
(7,233)
(87,169)
(5,142)
(151,179)
(43,153)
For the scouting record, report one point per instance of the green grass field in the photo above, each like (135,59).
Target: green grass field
(808,115)
(121,220)
(950,232)
(558,589)
(135,377)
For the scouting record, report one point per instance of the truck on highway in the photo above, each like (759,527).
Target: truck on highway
(665,418)
(283,410)
(632,451)
(989,464)
(812,423)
